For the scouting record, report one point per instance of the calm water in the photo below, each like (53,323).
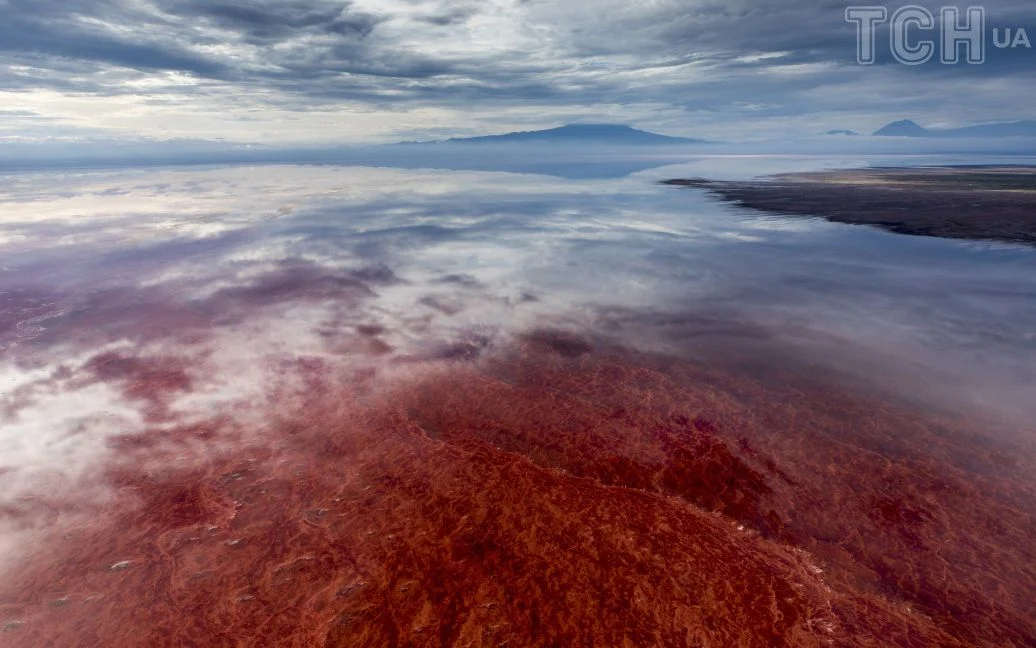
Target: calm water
(143,300)
(480,242)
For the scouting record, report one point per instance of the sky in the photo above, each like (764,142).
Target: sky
(317,72)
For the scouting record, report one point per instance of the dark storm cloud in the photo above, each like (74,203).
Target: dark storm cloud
(272,22)
(36,31)
(201,39)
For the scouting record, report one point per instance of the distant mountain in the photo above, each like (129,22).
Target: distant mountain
(903,128)
(580,133)
(850,133)
(907,128)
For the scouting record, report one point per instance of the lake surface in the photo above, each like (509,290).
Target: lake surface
(278,392)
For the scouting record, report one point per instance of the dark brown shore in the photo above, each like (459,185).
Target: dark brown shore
(973,203)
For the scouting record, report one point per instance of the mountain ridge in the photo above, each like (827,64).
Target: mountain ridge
(910,128)
(577,133)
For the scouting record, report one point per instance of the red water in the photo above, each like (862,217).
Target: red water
(555,492)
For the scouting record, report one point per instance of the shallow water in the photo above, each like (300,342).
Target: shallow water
(453,407)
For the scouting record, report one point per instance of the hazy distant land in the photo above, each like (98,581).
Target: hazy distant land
(910,128)
(975,203)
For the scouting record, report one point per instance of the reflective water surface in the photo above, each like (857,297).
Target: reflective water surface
(290,405)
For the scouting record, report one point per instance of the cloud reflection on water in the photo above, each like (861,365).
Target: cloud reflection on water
(210,283)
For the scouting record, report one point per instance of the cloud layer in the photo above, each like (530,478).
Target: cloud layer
(363,70)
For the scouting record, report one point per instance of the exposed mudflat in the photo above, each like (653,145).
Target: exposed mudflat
(976,203)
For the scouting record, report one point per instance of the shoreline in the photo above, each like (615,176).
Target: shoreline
(965,203)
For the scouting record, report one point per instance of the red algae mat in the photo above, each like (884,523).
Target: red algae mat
(555,491)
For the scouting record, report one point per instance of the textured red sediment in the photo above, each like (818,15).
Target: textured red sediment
(151,381)
(554,494)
